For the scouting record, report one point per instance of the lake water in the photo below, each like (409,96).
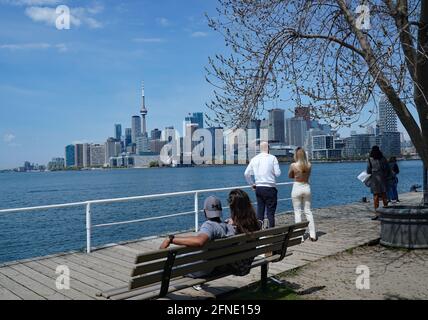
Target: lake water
(36,233)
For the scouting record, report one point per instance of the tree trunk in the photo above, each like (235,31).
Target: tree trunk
(425,178)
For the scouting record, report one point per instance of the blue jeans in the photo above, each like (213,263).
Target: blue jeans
(266,201)
(392,190)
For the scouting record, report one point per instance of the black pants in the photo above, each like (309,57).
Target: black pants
(267,198)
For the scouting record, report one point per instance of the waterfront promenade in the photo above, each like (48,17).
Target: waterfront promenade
(340,228)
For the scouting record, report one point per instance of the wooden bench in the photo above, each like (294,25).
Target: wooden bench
(160,272)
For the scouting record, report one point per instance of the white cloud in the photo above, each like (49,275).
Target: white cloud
(78,16)
(9,137)
(199,34)
(61,47)
(164,22)
(148,40)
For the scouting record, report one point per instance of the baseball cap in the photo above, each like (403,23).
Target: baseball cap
(212,207)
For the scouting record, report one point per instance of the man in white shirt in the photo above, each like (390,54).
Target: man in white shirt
(265,169)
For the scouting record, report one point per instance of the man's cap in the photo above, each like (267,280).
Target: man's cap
(212,207)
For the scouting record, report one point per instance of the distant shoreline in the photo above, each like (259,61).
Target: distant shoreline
(196,166)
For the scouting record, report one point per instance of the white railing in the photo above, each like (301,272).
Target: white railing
(89,204)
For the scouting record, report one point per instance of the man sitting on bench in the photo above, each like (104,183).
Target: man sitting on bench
(213,228)
(243,220)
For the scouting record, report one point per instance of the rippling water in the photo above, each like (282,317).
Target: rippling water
(35,233)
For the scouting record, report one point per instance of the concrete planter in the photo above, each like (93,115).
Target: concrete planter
(404,227)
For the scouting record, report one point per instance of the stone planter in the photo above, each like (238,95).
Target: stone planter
(404,227)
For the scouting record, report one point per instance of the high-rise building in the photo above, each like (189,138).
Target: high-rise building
(78,155)
(69,156)
(155,134)
(143,144)
(98,155)
(56,164)
(296,131)
(323,147)
(128,137)
(143,113)
(196,117)
(359,145)
(118,132)
(277,125)
(86,155)
(390,144)
(135,128)
(387,129)
(387,117)
(305,113)
(110,149)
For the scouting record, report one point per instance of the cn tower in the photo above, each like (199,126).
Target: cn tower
(143,113)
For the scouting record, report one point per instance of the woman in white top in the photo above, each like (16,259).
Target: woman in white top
(300,171)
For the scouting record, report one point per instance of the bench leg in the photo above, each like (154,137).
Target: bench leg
(263,277)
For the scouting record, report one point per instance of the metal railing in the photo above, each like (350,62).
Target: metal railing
(89,204)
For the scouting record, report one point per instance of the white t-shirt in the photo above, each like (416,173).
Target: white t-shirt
(265,169)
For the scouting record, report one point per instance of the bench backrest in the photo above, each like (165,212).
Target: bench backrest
(166,264)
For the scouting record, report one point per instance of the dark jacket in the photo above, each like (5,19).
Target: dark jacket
(381,175)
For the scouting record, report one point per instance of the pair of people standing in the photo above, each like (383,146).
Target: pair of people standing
(265,169)
(383,179)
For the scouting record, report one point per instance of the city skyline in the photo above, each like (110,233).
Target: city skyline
(71,86)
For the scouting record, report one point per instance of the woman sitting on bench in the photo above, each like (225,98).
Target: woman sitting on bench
(243,220)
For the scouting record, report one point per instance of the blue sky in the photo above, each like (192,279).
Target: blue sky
(63,86)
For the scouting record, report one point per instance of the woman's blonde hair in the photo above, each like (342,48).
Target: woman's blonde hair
(301,160)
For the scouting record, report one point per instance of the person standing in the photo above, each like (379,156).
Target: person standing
(301,194)
(378,168)
(265,169)
(392,191)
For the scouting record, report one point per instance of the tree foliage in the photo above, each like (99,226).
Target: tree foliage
(322,52)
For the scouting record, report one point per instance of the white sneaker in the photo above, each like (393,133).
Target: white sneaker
(197,287)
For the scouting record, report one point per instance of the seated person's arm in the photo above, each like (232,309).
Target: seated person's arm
(191,241)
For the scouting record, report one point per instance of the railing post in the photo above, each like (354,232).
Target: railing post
(196,212)
(88,227)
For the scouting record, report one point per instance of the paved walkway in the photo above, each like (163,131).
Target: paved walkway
(339,228)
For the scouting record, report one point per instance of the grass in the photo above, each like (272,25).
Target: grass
(273,291)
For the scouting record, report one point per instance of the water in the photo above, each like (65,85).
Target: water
(36,233)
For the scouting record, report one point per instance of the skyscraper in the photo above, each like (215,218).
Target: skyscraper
(143,113)
(78,155)
(277,125)
(118,132)
(195,117)
(128,136)
(387,124)
(303,112)
(136,128)
(155,134)
(296,131)
(110,149)
(387,116)
(69,156)
(86,155)
(98,155)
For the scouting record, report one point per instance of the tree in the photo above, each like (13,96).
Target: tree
(335,56)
